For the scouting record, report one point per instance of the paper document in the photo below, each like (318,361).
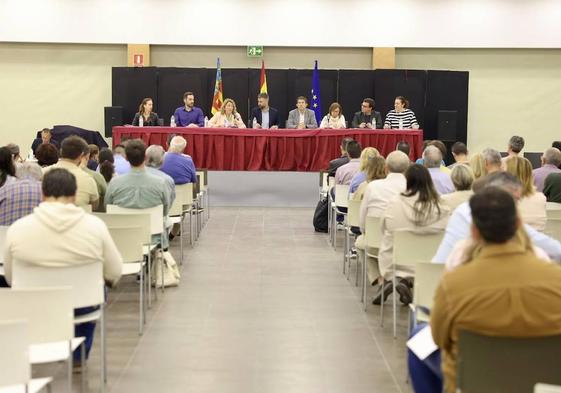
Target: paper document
(422,344)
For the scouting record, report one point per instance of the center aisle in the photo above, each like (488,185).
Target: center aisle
(263,307)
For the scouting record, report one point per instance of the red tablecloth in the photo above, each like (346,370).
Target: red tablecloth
(270,150)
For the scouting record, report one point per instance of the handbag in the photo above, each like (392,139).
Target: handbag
(165,266)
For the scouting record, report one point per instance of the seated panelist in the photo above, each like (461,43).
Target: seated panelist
(401,118)
(334,119)
(228,117)
(367,117)
(263,116)
(149,118)
(189,115)
(301,117)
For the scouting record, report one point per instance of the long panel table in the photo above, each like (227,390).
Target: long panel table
(228,149)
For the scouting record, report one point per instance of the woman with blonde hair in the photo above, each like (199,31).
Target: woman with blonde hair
(366,154)
(477,164)
(532,203)
(334,119)
(228,116)
(375,169)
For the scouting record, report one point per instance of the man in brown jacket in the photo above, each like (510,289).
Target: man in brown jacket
(503,291)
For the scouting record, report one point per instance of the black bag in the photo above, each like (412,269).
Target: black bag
(321,216)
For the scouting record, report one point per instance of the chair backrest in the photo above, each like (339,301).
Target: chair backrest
(324,181)
(553,228)
(3,230)
(86,280)
(129,242)
(87,208)
(156,215)
(331,182)
(183,197)
(410,248)
(48,312)
(427,277)
(142,220)
(504,364)
(202,173)
(342,195)
(373,232)
(545,388)
(553,210)
(14,356)
(353,217)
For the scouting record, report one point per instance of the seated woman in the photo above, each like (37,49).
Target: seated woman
(228,116)
(401,118)
(334,119)
(149,118)
(418,209)
(532,203)
(366,154)
(462,178)
(477,165)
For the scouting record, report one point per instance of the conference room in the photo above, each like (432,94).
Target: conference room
(214,196)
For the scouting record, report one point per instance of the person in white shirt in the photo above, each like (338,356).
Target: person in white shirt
(334,119)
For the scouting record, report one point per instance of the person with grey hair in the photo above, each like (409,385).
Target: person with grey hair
(458,227)
(432,158)
(551,159)
(153,161)
(179,166)
(492,159)
(462,177)
(515,146)
(19,198)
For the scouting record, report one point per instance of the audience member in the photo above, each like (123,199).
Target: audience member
(418,209)
(120,162)
(404,147)
(360,176)
(443,151)
(334,118)
(46,138)
(57,234)
(153,162)
(7,167)
(227,116)
(106,164)
(367,117)
(462,178)
(477,164)
(46,155)
(460,220)
(375,169)
(15,153)
(515,146)
(556,144)
(20,197)
(551,159)
(432,157)
(492,284)
(98,178)
(180,167)
(337,162)
(531,204)
(345,173)
(264,116)
(71,152)
(301,117)
(492,160)
(93,162)
(460,154)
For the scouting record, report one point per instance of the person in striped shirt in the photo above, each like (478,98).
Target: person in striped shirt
(401,118)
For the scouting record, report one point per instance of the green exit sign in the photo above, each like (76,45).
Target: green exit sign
(254,51)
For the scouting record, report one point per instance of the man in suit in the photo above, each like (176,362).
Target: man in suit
(263,116)
(367,117)
(338,162)
(301,117)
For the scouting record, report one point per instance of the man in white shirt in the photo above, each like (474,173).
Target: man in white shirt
(378,195)
(458,227)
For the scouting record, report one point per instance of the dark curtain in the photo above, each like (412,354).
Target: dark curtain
(354,86)
(130,85)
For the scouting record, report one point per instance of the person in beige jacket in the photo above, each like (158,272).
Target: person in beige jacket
(418,209)
(228,117)
(504,291)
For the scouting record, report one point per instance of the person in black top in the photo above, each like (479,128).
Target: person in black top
(367,117)
(46,137)
(149,118)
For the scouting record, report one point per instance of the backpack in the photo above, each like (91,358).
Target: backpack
(321,216)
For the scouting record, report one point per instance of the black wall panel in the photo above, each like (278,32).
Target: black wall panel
(130,86)
(278,95)
(354,86)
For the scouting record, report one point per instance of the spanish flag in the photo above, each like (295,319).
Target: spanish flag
(263,79)
(218,97)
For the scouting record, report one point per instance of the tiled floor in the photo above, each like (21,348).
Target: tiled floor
(262,307)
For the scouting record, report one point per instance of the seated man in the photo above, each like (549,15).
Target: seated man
(367,117)
(153,161)
(71,154)
(178,165)
(551,159)
(337,162)
(492,160)
(138,189)
(432,158)
(460,154)
(59,233)
(404,147)
(301,117)
(19,198)
(46,137)
(122,166)
(345,173)
(504,291)
(263,116)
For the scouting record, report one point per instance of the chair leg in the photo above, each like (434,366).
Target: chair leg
(191,225)
(364,279)
(84,374)
(357,260)
(70,361)
(382,300)
(141,302)
(103,370)
(181,238)
(394,294)
(162,271)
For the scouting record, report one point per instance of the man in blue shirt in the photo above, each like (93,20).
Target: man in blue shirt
(122,166)
(189,115)
(178,165)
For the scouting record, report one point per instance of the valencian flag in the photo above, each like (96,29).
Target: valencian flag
(263,79)
(315,97)
(218,97)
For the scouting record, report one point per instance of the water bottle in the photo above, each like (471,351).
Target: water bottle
(141,121)
(401,124)
(172,121)
(30,155)
(206,122)
(254,122)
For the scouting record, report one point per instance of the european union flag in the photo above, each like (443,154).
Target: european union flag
(315,99)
